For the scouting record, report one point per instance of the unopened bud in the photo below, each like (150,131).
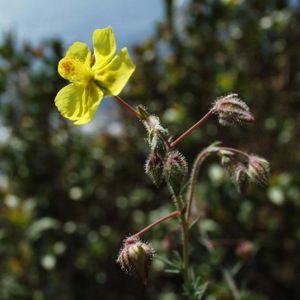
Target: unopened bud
(231,111)
(154,168)
(153,126)
(156,134)
(176,170)
(244,249)
(259,169)
(237,171)
(136,257)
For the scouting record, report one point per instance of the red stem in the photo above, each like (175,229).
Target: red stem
(123,103)
(196,125)
(175,213)
(235,150)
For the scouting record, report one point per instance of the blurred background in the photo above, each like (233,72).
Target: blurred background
(70,195)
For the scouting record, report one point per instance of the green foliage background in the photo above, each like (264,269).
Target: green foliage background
(69,198)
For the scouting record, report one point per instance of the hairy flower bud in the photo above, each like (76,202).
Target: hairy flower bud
(154,168)
(153,126)
(243,167)
(231,111)
(176,170)
(136,257)
(156,134)
(237,171)
(258,169)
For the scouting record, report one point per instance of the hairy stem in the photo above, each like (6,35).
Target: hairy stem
(196,125)
(185,239)
(193,179)
(175,213)
(185,247)
(235,151)
(208,245)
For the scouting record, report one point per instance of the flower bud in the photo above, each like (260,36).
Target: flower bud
(136,257)
(237,171)
(153,126)
(156,134)
(258,169)
(154,168)
(176,170)
(231,111)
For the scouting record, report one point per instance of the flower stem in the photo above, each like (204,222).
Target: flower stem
(235,151)
(123,103)
(174,214)
(208,245)
(196,125)
(185,239)
(193,179)
(185,247)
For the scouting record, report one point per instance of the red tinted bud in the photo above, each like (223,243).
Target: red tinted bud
(136,257)
(176,170)
(154,168)
(231,111)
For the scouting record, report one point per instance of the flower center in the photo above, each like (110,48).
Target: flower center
(75,71)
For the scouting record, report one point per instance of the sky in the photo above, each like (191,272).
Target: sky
(36,20)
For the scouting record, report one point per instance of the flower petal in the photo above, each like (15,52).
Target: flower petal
(78,103)
(81,52)
(104,46)
(76,65)
(92,97)
(114,76)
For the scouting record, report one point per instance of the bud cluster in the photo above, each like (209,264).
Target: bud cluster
(135,258)
(163,162)
(231,111)
(242,168)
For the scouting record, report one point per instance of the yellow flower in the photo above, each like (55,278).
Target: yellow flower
(92,78)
